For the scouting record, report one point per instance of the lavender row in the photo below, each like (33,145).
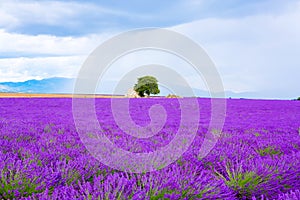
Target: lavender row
(256,157)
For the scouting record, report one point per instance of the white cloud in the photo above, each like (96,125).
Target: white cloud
(7,20)
(48,44)
(16,13)
(43,56)
(254,53)
(22,69)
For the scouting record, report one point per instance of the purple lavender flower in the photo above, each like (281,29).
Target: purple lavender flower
(257,155)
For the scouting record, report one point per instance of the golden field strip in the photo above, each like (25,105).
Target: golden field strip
(28,95)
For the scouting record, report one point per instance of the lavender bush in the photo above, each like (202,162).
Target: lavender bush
(256,157)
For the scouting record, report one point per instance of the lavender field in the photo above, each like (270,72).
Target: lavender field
(256,157)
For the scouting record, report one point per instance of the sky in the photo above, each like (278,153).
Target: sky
(255,45)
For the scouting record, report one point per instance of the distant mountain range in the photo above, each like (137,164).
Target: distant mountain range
(51,85)
(66,86)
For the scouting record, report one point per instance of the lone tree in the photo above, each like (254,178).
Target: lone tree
(146,85)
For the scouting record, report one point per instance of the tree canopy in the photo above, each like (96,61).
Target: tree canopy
(146,85)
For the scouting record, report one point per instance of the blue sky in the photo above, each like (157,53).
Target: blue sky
(254,44)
